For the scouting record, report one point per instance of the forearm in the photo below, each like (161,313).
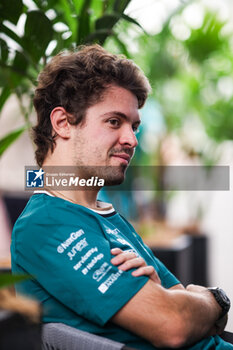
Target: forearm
(169,317)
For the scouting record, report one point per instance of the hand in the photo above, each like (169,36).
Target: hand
(219,324)
(193,288)
(197,289)
(129,260)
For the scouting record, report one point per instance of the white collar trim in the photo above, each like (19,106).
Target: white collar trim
(102,205)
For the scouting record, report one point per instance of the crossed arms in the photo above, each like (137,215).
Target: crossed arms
(172,317)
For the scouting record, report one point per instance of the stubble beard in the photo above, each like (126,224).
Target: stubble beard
(112,175)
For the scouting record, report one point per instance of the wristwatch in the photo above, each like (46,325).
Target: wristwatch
(222,299)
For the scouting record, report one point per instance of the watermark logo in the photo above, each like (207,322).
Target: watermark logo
(34,178)
(59,178)
(139,178)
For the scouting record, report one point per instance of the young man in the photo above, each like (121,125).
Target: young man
(87,106)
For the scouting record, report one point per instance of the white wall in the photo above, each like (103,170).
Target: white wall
(218,223)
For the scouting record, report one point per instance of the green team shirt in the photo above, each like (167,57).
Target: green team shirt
(66,247)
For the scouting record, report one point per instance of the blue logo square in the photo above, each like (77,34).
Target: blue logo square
(35,178)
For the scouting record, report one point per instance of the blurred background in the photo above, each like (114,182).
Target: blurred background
(185,49)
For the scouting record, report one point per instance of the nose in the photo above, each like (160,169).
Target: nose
(128,137)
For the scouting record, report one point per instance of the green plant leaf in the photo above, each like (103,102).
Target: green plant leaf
(4,29)
(69,16)
(207,39)
(77,5)
(7,140)
(120,5)
(121,45)
(218,120)
(20,41)
(20,62)
(132,20)
(84,23)
(97,8)
(11,10)
(104,26)
(13,75)
(98,36)
(109,20)
(46,5)
(4,50)
(6,92)
(7,279)
(38,33)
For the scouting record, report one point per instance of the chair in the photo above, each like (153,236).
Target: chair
(58,336)
(227,336)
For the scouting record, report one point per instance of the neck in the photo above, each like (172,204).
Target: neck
(86,198)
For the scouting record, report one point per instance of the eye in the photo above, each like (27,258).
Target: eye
(114,122)
(135,129)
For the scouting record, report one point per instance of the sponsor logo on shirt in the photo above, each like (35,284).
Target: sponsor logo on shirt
(113,232)
(92,263)
(84,258)
(101,272)
(123,241)
(109,281)
(77,248)
(73,236)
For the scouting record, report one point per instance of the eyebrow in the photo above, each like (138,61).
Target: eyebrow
(121,115)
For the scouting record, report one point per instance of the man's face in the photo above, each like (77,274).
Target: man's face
(104,144)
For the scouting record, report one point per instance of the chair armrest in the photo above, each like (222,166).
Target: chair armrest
(228,337)
(58,336)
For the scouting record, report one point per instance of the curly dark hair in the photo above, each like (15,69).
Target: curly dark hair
(76,80)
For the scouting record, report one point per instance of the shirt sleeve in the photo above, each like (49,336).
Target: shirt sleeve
(69,256)
(168,280)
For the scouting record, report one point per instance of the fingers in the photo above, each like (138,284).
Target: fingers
(116,251)
(126,260)
(196,288)
(147,271)
(132,263)
(125,257)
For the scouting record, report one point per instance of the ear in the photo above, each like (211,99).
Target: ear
(60,123)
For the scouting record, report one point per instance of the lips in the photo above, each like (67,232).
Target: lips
(122,156)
